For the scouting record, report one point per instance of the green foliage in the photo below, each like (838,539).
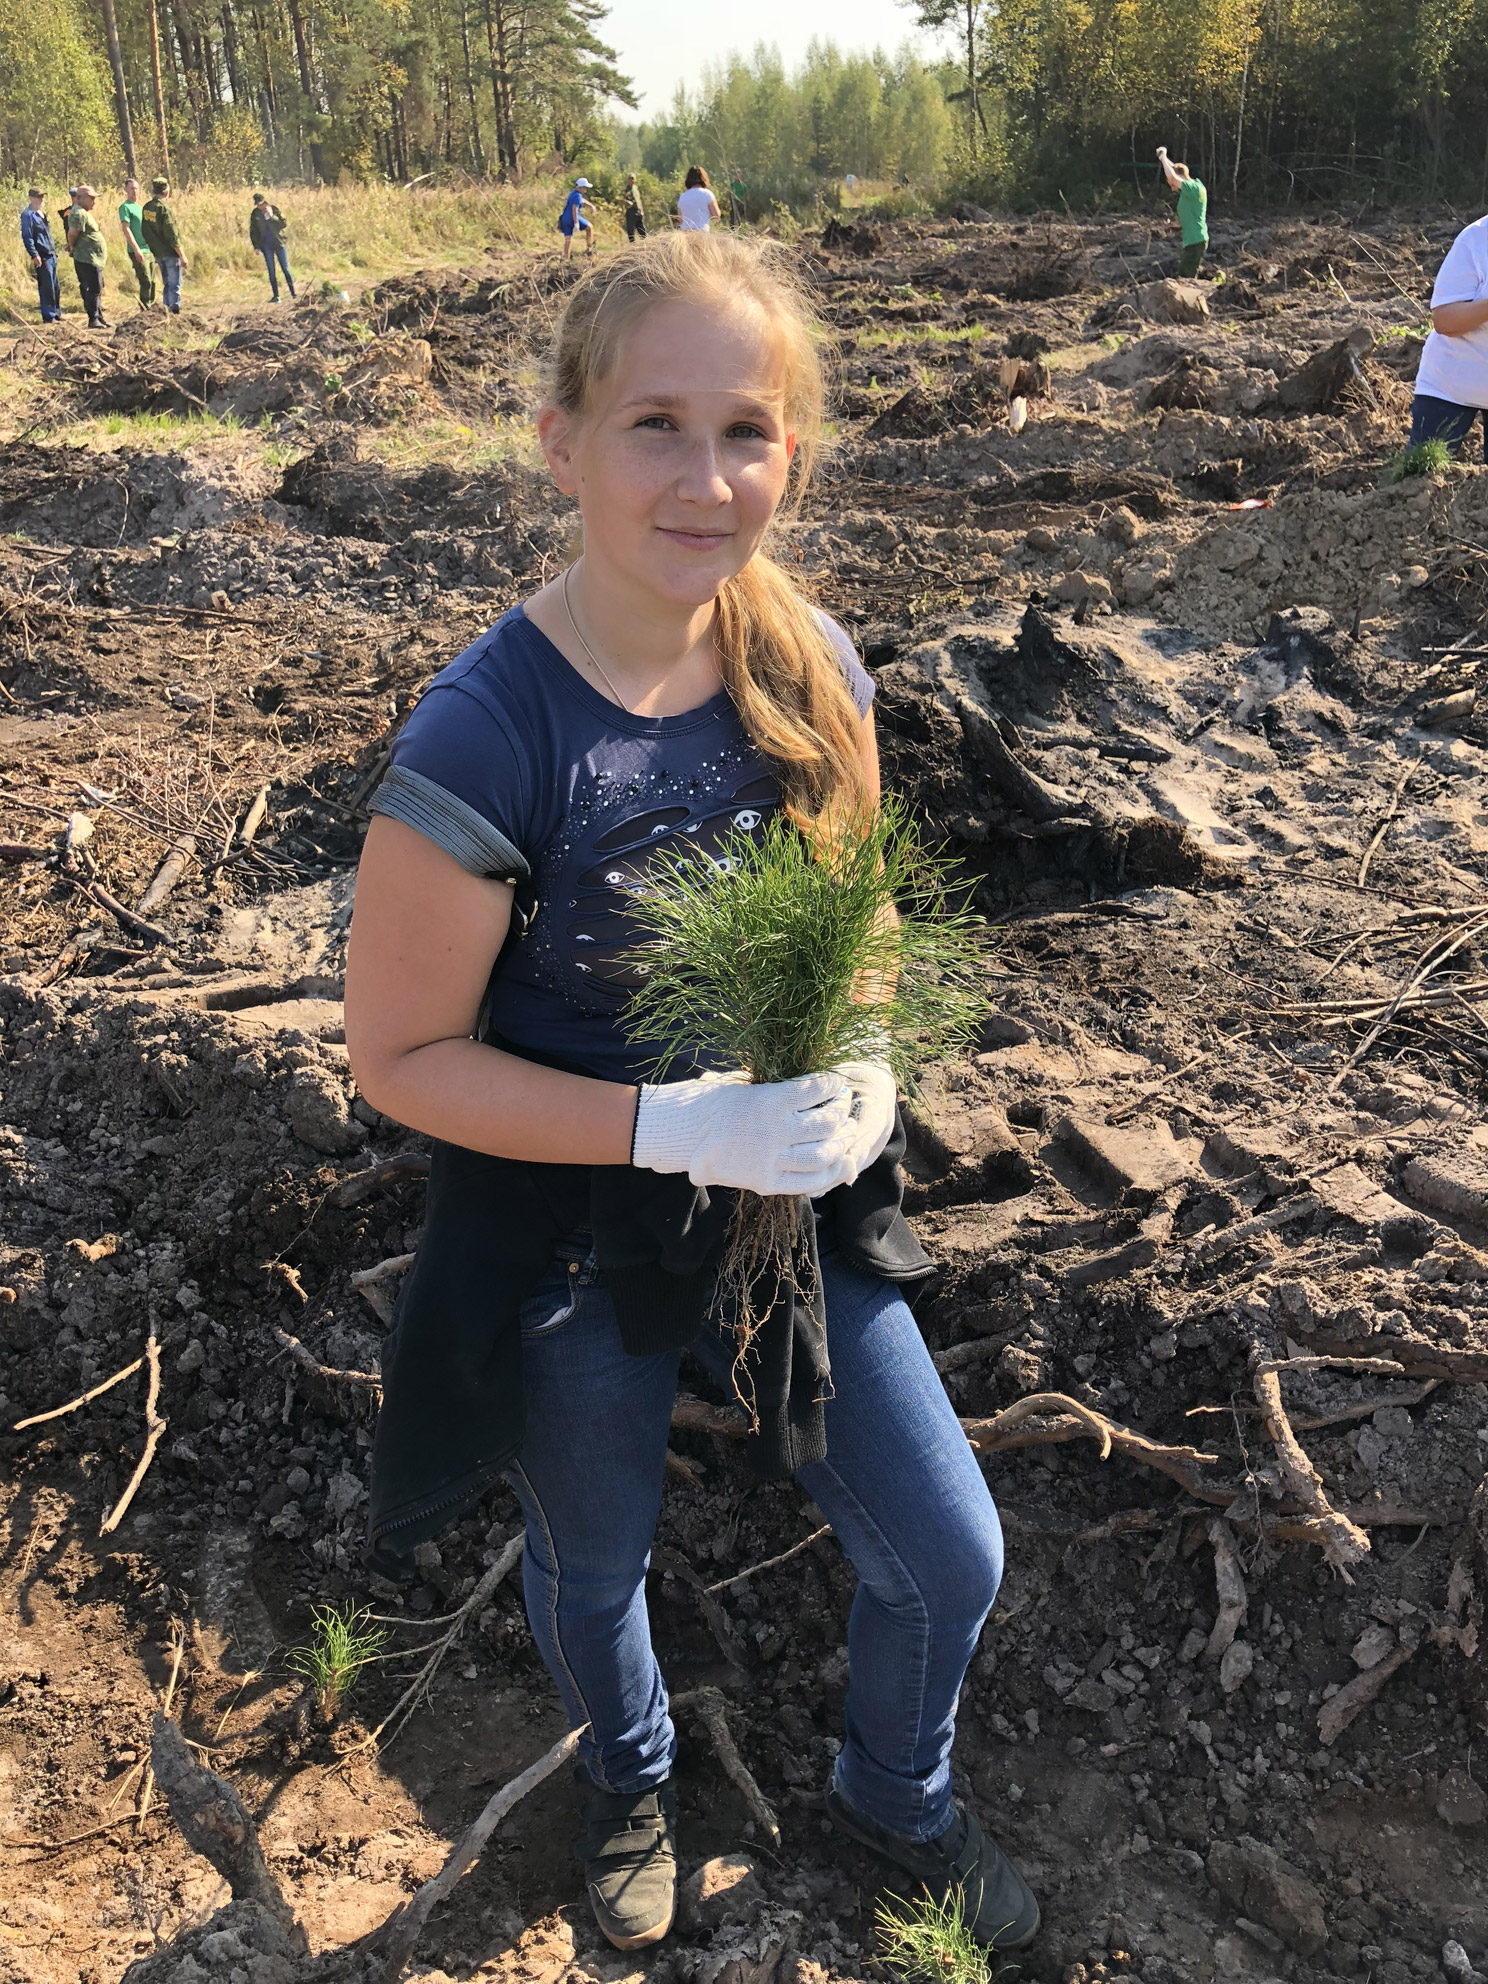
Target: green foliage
(56,117)
(784,136)
(341,1644)
(928,1942)
(780,960)
(1425,458)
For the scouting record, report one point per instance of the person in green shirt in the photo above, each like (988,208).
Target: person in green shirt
(89,252)
(140,258)
(158,225)
(1193,211)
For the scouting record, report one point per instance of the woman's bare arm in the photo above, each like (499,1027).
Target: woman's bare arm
(423,939)
(1456,320)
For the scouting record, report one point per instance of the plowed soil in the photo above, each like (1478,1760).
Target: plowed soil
(1192,688)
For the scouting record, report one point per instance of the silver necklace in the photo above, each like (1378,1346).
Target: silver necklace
(599,665)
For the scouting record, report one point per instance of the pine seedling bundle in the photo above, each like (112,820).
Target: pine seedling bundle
(792,952)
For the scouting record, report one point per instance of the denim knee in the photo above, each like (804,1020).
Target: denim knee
(968,1576)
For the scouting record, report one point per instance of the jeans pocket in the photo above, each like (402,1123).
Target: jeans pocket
(554,1302)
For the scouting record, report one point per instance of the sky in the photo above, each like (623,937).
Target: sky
(665,42)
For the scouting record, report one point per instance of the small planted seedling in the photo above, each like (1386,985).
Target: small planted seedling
(341,1644)
(930,1942)
(1425,458)
(794,951)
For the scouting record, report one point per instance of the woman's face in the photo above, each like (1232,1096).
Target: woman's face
(681,459)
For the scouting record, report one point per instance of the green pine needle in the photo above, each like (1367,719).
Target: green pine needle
(774,961)
(1429,458)
(341,1644)
(929,1942)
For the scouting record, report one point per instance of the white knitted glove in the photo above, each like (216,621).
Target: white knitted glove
(875,1094)
(774,1138)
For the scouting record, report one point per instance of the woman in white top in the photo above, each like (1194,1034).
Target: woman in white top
(1452,383)
(696,206)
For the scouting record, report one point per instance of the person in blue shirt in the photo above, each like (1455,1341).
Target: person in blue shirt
(572,220)
(41,253)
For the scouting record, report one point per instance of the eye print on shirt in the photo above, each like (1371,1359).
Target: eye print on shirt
(600,928)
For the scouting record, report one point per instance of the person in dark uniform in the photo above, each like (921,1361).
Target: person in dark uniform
(41,253)
(635,213)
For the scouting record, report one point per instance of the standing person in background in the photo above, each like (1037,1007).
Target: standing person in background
(635,213)
(89,252)
(696,206)
(158,226)
(140,259)
(41,253)
(1452,382)
(1193,211)
(572,221)
(266,227)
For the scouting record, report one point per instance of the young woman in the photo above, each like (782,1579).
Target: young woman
(670,687)
(1452,381)
(697,206)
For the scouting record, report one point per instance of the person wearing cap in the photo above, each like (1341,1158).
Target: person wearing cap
(89,252)
(158,225)
(266,227)
(572,218)
(41,253)
(140,258)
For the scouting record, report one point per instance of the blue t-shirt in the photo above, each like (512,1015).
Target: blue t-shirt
(522,771)
(572,214)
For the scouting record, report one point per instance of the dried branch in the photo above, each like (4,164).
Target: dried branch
(742,1577)
(1384,826)
(395,1264)
(411,1696)
(1229,1585)
(178,1654)
(394,1941)
(60,1411)
(1339,1710)
(1345,1541)
(307,1361)
(391,1171)
(154,1428)
(166,876)
(708,1704)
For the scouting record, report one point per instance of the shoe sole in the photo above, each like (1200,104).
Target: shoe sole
(641,1942)
(840,1818)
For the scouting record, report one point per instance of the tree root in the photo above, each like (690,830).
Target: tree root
(1343,1542)
(1229,1586)
(154,1428)
(708,1705)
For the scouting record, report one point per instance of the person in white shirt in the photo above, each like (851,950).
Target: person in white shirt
(1452,382)
(696,207)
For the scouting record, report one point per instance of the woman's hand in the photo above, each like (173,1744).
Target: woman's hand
(875,1100)
(774,1138)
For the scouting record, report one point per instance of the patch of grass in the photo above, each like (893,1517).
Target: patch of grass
(1430,458)
(929,1942)
(409,445)
(1398,333)
(159,433)
(341,1644)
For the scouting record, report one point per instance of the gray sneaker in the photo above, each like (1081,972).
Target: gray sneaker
(629,1851)
(1000,1911)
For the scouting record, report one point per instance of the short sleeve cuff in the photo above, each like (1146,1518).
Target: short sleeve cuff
(480,848)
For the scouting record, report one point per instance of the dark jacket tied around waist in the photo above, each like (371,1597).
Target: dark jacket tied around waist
(452,1414)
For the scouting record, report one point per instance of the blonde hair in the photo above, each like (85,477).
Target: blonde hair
(779,663)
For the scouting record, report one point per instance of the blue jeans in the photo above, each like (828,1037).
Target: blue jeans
(47,291)
(900,1487)
(1443,420)
(277,254)
(170,280)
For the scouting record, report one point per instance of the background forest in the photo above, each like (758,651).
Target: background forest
(1033,99)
